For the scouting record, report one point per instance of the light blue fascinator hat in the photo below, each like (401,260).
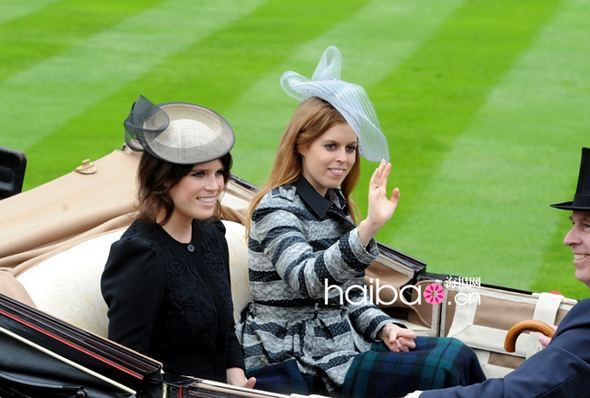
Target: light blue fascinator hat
(350,99)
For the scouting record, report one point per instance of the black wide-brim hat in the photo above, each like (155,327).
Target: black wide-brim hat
(177,132)
(582,196)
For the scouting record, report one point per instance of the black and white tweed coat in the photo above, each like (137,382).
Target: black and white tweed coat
(299,243)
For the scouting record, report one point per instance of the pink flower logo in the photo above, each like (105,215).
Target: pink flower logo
(434,293)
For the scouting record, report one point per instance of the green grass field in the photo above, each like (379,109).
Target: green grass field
(485,104)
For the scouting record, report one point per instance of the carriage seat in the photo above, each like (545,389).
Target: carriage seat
(67,285)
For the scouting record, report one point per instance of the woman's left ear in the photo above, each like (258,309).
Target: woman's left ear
(302,151)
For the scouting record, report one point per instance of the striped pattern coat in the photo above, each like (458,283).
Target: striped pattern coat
(300,242)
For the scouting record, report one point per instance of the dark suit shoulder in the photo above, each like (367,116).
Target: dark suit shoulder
(573,333)
(578,316)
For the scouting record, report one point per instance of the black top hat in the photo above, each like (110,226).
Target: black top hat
(582,196)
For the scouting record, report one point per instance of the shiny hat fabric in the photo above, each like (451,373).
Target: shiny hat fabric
(350,99)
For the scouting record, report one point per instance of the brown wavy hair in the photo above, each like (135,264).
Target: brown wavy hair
(155,179)
(309,121)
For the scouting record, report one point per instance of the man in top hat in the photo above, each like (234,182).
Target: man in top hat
(563,368)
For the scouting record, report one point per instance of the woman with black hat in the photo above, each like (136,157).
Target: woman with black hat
(166,281)
(562,369)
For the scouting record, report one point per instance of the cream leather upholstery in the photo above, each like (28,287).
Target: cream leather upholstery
(238,259)
(67,285)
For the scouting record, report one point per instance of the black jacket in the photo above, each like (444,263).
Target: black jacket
(172,301)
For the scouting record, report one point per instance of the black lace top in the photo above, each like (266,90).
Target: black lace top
(172,301)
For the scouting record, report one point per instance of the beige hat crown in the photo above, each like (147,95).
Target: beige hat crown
(177,132)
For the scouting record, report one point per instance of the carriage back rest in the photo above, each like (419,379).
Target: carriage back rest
(471,314)
(67,285)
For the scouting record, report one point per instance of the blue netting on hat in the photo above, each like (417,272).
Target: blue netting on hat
(350,99)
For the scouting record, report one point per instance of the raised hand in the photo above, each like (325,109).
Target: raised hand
(381,208)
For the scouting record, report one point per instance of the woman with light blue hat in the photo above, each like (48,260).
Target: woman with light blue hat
(299,334)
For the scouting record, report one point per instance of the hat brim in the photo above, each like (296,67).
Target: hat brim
(569,206)
(178,132)
(211,136)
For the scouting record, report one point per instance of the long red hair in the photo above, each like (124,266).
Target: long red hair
(309,121)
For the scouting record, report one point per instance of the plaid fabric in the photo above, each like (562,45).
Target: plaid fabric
(435,363)
(298,242)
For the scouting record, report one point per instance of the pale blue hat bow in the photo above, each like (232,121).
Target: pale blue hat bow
(350,99)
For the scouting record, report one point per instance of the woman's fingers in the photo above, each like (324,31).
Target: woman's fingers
(401,346)
(380,172)
(376,177)
(385,172)
(250,382)
(379,178)
(395,195)
(406,333)
(409,343)
(393,346)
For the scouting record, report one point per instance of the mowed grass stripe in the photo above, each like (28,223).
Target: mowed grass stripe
(432,98)
(60,88)
(13,9)
(373,40)
(213,72)
(566,93)
(57,27)
(486,211)
(218,69)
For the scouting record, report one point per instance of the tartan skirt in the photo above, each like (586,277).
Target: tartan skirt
(434,363)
